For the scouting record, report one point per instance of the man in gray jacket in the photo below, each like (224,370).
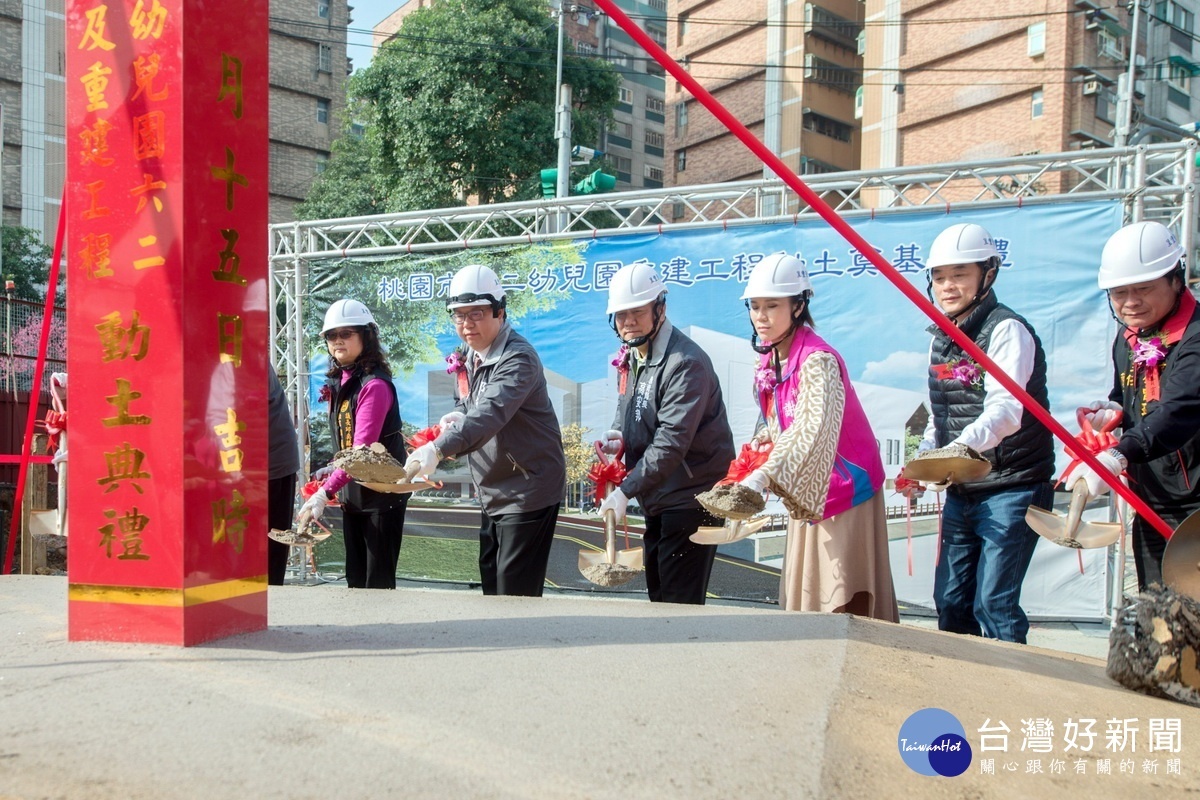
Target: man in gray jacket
(506,427)
(677,443)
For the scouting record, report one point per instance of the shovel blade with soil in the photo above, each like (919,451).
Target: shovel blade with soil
(611,567)
(1070,529)
(734,530)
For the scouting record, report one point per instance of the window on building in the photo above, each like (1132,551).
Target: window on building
(625,95)
(1109,45)
(680,160)
(322,162)
(826,126)
(1035,38)
(1179,85)
(1181,20)
(323,9)
(324,58)
(622,163)
(618,57)
(1036,104)
(623,129)
(681,118)
(654,139)
(655,105)
(683,28)
(835,76)
(657,33)
(657,5)
(1106,106)
(652,172)
(585,48)
(858,103)
(323,111)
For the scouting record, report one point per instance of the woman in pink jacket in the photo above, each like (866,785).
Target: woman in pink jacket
(824,460)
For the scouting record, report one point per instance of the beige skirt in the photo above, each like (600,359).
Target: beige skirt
(840,564)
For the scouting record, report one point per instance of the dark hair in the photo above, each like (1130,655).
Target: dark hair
(806,315)
(370,360)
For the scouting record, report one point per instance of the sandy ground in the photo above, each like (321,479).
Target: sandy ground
(423,693)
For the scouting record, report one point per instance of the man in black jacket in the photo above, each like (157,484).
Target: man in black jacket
(676,438)
(1156,384)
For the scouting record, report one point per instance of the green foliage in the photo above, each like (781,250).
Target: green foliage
(461,105)
(26,261)
(347,187)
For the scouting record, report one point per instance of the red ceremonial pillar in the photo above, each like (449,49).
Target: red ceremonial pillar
(167,318)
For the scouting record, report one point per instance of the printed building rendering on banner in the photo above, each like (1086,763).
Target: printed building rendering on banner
(557,294)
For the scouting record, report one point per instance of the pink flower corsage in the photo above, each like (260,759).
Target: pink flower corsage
(621,362)
(1149,353)
(967,372)
(456,364)
(324,395)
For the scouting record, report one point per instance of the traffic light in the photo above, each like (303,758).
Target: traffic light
(596,182)
(549,183)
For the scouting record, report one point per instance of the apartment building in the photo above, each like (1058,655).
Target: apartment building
(944,81)
(788,71)
(307,95)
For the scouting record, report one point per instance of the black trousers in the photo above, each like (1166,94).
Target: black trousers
(677,569)
(1149,545)
(514,550)
(281,503)
(373,545)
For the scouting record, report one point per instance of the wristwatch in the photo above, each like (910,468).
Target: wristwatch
(1119,456)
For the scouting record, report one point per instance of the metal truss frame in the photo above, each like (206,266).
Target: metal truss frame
(1155,181)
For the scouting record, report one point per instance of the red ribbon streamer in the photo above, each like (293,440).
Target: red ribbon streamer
(901,282)
(748,460)
(605,473)
(425,436)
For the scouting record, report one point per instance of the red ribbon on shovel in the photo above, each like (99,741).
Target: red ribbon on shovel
(606,473)
(751,458)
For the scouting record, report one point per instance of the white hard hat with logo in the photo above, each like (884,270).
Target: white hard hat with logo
(778,275)
(633,286)
(346,314)
(475,285)
(964,243)
(1138,253)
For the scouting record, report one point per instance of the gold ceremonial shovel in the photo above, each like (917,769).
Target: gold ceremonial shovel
(611,567)
(732,531)
(1070,530)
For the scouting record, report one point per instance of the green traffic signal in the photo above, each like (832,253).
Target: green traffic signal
(549,183)
(596,182)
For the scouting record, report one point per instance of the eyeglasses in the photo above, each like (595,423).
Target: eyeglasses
(474,315)
(344,333)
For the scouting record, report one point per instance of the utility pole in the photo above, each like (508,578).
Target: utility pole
(562,125)
(1126,84)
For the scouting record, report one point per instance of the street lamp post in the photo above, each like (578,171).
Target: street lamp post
(562,119)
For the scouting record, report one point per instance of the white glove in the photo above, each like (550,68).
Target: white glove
(1096,486)
(1100,413)
(616,501)
(313,507)
(452,420)
(756,481)
(323,473)
(59,379)
(423,460)
(937,487)
(610,443)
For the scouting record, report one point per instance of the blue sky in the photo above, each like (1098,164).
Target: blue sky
(367,14)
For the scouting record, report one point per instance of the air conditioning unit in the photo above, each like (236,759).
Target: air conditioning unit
(1091,87)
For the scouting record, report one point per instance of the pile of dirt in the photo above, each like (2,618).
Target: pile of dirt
(1154,645)
(306,537)
(370,464)
(609,574)
(732,501)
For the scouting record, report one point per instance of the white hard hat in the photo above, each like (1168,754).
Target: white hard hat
(778,275)
(634,286)
(964,243)
(1138,253)
(347,313)
(475,285)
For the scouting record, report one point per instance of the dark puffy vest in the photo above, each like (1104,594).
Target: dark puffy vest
(342,412)
(1026,456)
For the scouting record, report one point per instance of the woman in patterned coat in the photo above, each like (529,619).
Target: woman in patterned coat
(824,460)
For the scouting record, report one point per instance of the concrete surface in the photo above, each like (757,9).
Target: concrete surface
(448,694)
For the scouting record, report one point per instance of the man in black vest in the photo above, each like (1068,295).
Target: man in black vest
(1156,385)
(986,545)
